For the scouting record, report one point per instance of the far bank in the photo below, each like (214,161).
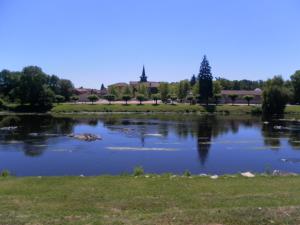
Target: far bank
(172,108)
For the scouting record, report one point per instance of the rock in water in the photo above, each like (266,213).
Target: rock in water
(247,174)
(8,128)
(86,137)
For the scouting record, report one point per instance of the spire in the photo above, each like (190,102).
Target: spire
(143,77)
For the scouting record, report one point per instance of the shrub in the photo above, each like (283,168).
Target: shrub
(248,98)
(138,171)
(110,98)
(233,97)
(59,99)
(93,98)
(187,173)
(156,97)
(5,173)
(140,98)
(126,98)
(256,111)
(74,98)
(190,98)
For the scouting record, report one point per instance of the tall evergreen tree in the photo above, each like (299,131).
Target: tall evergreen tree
(205,80)
(143,78)
(102,87)
(193,80)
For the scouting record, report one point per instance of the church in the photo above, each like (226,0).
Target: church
(151,85)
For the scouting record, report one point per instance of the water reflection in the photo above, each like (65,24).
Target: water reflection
(205,138)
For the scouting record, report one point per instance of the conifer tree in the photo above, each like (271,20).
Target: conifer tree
(102,87)
(205,80)
(193,80)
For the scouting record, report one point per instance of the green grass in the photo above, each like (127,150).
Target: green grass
(181,108)
(141,200)
(292,109)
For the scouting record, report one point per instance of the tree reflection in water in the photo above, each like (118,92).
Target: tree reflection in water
(34,131)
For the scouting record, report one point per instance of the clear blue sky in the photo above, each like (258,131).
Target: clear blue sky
(106,41)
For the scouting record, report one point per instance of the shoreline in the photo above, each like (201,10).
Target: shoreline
(153,109)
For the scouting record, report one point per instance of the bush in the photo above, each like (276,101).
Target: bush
(59,98)
(140,98)
(93,98)
(190,98)
(126,98)
(74,98)
(5,173)
(110,98)
(248,98)
(187,173)
(138,171)
(233,97)
(256,111)
(156,97)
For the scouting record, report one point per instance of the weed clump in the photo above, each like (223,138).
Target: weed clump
(138,171)
(4,173)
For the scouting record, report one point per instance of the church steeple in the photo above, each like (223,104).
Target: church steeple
(143,77)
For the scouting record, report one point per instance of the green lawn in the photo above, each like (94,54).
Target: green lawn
(158,200)
(293,109)
(182,108)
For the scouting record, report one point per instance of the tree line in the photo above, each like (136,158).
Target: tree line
(34,87)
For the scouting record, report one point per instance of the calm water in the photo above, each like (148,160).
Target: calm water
(40,145)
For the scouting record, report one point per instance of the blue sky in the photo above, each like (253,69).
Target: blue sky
(106,41)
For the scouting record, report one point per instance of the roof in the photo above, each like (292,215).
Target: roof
(120,84)
(82,90)
(241,92)
(148,84)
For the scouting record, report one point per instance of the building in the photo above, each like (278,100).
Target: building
(152,86)
(257,96)
(83,93)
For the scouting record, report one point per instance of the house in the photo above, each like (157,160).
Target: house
(83,93)
(257,96)
(152,86)
(119,87)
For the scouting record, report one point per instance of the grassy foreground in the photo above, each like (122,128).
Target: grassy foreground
(181,108)
(152,200)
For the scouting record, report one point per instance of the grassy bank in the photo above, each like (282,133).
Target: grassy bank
(141,200)
(181,108)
